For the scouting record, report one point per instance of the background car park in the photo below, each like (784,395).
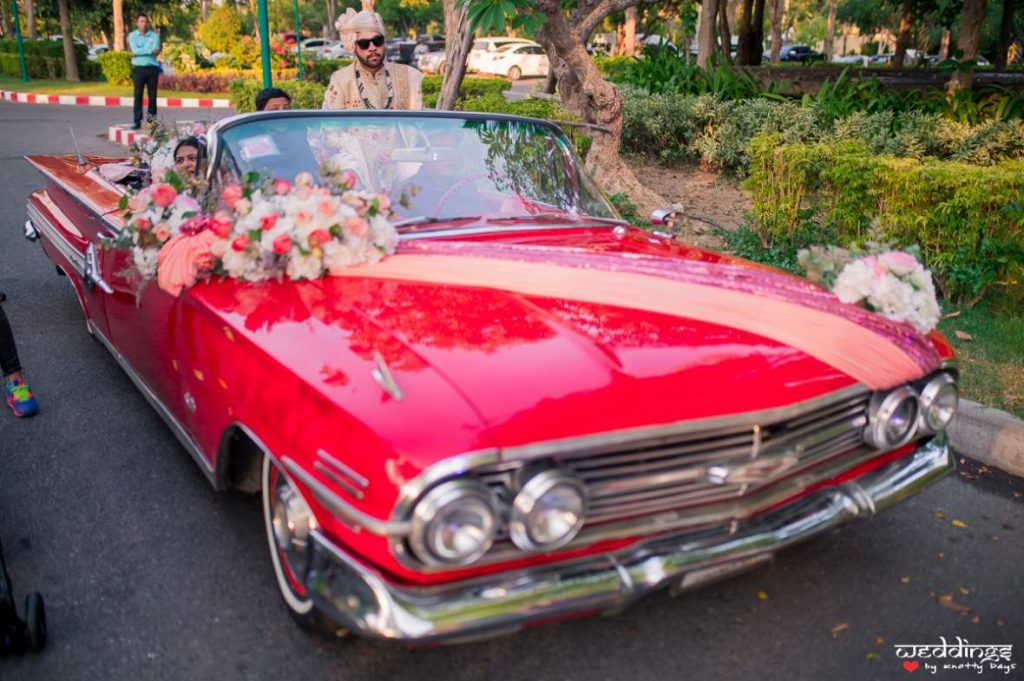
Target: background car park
(433,59)
(486,45)
(516,61)
(797,53)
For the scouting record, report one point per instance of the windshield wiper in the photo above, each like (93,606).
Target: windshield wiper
(426,220)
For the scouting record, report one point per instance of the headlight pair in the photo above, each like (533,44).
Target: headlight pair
(896,416)
(456,522)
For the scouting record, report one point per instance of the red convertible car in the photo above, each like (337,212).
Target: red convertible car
(532,411)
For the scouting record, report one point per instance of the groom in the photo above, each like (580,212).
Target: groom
(371,82)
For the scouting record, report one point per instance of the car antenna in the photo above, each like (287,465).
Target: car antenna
(74,140)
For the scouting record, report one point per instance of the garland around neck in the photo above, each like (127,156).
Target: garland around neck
(387,80)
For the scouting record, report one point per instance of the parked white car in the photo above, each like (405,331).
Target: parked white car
(314,46)
(434,59)
(485,46)
(516,61)
(335,51)
(95,51)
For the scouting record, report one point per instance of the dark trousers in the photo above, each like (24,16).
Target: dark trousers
(145,76)
(9,363)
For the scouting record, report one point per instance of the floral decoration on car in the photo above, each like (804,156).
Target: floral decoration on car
(260,229)
(892,283)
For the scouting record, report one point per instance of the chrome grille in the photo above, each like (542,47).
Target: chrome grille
(670,472)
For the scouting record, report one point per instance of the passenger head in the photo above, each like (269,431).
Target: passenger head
(187,154)
(273,99)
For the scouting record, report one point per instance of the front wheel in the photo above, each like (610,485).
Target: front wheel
(288,521)
(515,73)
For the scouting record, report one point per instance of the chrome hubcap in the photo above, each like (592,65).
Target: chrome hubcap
(291,519)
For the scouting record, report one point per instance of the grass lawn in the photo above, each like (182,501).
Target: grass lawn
(992,360)
(62,87)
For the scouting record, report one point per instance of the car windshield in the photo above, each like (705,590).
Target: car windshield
(433,168)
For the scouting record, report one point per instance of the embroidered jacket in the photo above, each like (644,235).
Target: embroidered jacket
(343,90)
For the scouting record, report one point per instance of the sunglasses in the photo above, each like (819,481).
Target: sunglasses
(364,43)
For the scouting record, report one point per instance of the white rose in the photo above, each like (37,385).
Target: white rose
(304,267)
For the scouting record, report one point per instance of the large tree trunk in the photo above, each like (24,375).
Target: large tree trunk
(945,43)
(204,10)
(30,19)
(1005,35)
(777,7)
(751,33)
(706,33)
(726,31)
(4,28)
(70,65)
(830,30)
(118,45)
(629,33)
(903,37)
(967,41)
(332,14)
(585,93)
(456,27)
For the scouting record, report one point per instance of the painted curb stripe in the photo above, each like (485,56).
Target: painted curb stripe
(102,100)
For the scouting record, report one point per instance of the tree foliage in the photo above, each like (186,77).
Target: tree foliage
(222,30)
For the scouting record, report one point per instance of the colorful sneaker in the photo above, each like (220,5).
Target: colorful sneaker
(20,399)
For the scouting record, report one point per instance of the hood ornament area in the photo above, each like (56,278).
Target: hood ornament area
(382,374)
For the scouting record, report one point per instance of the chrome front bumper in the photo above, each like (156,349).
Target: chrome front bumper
(365,602)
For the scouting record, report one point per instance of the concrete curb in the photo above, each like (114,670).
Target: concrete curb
(990,436)
(100,100)
(124,135)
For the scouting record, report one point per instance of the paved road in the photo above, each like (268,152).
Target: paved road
(150,574)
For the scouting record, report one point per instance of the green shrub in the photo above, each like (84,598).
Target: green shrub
(222,29)
(116,67)
(304,94)
(43,59)
(471,86)
(613,68)
(968,220)
(323,69)
(185,57)
(245,53)
(659,125)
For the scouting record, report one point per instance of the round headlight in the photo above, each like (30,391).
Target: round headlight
(892,418)
(453,524)
(548,511)
(939,401)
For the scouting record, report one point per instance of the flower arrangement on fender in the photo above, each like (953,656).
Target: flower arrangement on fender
(262,229)
(892,283)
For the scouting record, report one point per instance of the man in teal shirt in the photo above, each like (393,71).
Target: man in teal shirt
(144,45)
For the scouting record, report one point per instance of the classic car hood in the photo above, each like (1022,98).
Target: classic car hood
(543,368)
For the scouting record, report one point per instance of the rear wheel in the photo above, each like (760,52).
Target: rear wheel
(289,520)
(515,73)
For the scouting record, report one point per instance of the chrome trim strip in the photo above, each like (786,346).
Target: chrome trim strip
(70,253)
(365,601)
(348,472)
(172,422)
(31,233)
(341,508)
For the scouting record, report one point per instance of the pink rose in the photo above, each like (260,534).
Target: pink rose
(357,226)
(282,187)
(347,179)
(138,202)
(162,232)
(222,225)
(231,195)
(243,206)
(164,195)
(326,208)
(268,221)
(240,243)
(384,201)
(204,261)
(143,225)
(282,244)
(319,237)
(303,217)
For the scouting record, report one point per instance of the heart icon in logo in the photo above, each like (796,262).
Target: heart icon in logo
(911,665)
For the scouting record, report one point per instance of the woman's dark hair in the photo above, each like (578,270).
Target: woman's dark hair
(194,142)
(267,94)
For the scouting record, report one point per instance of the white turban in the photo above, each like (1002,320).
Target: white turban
(351,22)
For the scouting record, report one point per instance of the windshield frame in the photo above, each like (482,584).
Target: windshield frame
(217,147)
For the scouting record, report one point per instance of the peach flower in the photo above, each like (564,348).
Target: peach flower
(164,195)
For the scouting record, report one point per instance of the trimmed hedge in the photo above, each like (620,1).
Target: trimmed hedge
(44,59)
(323,69)
(116,67)
(304,94)
(967,219)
